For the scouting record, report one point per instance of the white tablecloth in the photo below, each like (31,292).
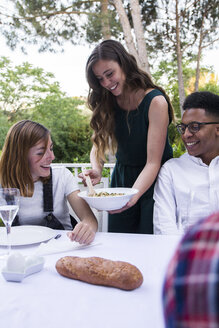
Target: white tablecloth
(48,300)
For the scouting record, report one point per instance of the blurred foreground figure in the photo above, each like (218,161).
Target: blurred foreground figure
(191,288)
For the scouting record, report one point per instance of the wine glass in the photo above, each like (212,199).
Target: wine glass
(192,212)
(184,217)
(9,205)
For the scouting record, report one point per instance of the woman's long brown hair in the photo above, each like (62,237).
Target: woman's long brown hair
(102,102)
(14,166)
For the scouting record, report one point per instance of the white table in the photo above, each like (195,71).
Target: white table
(48,300)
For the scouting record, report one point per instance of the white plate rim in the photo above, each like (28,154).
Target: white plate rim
(83,194)
(48,233)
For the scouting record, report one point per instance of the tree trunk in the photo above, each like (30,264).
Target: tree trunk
(139,33)
(197,75)
(126,29)
(179,62)
(105,20)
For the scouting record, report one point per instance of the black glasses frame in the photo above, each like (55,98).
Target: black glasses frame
(192,126)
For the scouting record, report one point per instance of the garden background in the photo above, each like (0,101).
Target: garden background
(170,40)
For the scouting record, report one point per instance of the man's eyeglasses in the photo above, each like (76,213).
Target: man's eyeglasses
(192,126)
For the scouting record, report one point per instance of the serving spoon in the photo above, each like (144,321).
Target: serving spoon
(91,191)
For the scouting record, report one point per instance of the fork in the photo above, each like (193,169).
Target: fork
(58,236)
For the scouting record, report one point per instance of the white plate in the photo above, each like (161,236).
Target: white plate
(26,235)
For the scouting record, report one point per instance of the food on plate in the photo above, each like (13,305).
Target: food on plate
(100,271)
(105,194)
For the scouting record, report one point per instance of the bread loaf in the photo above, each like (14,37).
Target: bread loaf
(100,271)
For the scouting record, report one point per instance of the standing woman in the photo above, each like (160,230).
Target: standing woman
(130,118)
(25,164)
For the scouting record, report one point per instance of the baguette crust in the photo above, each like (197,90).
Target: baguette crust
(100,271)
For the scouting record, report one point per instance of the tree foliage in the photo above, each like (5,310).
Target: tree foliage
(175,35)
(30,93)
(166,75)
(188,28)
(177,31)
(95,22)
(69,127)
(50,23)
(47,23)
(23,86)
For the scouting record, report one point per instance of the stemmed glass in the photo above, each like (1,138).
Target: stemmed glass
(185,220)
(9,205)
(191,213)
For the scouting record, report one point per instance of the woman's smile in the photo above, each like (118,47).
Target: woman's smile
(110,76)
(40,159)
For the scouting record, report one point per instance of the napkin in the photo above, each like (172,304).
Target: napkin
(54,246)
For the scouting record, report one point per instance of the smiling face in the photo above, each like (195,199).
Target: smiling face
(110,76)
(205,142)
(39,159)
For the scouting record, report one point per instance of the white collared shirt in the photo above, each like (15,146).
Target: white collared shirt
(186,190)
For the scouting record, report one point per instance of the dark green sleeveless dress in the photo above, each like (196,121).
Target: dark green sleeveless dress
(131,133)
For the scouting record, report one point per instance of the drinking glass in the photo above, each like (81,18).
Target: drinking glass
(9,205)
(184,218)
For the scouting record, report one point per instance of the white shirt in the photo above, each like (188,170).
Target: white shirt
(186,190)
(31,208)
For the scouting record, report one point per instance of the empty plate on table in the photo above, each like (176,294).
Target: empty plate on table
(26,235)
(108,199)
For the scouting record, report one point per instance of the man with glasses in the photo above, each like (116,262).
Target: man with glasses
(187,188)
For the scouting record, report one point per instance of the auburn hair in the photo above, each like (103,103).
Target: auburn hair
(14,166)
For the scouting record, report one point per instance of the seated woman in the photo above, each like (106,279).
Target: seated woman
(25,164)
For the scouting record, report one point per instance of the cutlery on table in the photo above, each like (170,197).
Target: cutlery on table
(58,236)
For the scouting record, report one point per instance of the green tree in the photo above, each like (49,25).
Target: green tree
(50,23)
(23,86)
(188,28)
(69,127)
(177,30)
(166,75)
(31,93)
(4,126)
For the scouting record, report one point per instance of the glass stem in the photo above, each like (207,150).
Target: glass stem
(8,229)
